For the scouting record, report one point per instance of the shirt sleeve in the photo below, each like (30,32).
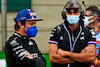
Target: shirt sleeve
(92,37)
(53,36)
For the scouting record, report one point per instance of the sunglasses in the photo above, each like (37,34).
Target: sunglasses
(69,10)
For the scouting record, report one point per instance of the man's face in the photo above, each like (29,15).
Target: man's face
(29,24)
(89,13)
(72,16)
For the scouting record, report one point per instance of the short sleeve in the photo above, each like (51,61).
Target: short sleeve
(53,36)
(92,37)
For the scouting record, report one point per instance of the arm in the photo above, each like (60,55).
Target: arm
(98,64)
(83,57)
(28,55)
(18,54)
(54,57)
(87,49)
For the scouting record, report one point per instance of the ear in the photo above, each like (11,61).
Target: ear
(20,25)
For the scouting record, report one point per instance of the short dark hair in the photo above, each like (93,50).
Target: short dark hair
(16,26)
(95,11)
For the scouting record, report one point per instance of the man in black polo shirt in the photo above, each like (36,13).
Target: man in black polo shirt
(20,49)
(70,42)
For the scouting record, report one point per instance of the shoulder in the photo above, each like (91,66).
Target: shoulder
(58,27)
(56,30)
(12,40)
(90,32)
(32,40)
(88,29)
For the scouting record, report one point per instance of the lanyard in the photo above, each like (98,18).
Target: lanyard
(73,37)
(72,48)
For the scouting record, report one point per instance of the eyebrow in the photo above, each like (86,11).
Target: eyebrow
(32,23)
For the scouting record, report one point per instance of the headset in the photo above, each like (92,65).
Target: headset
(81,15)
(84,5)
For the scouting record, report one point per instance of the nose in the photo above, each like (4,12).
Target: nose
(72,11)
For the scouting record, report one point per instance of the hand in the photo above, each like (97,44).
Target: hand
(28,55)
(98,64)
(61,52)
(87,49)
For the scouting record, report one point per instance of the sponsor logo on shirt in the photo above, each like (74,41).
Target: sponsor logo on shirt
(34,55)
(14,42)
(61,38)
(30,43)
(51,35)
(17,48)
(82,33)
(82,38)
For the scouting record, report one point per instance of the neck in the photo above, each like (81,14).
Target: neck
(21,32)
(73,27)
(96,26)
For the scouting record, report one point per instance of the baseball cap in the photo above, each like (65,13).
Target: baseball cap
(26,14)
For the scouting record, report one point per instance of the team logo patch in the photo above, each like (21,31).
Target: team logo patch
(51,35)
(82,38)
(92,32)
(30,43)
(32,14)
(61,38)
(82,33)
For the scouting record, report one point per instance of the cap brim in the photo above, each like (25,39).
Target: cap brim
(36,19)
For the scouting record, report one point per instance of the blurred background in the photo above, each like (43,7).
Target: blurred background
(50,10)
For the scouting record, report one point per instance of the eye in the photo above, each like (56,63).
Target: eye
(75,10)
(32,23)
(69,10)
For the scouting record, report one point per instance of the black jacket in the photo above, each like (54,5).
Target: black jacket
(15,55)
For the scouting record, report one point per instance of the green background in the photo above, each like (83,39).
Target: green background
(17,5)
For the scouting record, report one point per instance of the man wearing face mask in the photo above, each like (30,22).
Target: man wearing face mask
(92,18)
(20,49)
(71,44)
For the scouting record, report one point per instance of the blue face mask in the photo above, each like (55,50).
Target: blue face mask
(72,19)
(32,31)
